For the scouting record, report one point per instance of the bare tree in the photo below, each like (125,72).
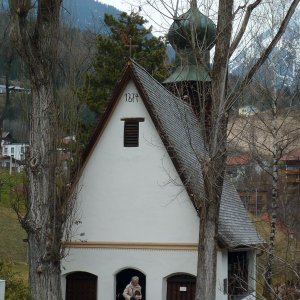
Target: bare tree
(272,132)
(267,136)
(36,41)
(54,66)
(215,119)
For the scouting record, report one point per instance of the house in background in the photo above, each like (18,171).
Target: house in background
(246,175)
(13,154)
(6,138)
(13,89)
(248,110)
(290,167)
(237,165)
(15,150)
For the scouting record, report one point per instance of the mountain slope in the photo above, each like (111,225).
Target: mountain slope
(87,13)
(82,13)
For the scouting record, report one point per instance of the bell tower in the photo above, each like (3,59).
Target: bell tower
(192,35)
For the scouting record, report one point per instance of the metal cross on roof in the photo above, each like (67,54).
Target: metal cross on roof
(130,47)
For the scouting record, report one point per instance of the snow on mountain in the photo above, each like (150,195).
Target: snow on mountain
(283,64)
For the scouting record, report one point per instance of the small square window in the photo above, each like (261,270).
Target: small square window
(131,132)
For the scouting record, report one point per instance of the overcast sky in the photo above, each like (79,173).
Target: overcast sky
(119,4)
(159,23)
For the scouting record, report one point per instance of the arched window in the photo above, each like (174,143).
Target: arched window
(81,286)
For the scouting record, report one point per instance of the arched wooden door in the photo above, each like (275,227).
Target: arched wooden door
(181,287)
(81,286)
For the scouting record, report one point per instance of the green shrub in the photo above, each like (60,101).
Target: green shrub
(15,288)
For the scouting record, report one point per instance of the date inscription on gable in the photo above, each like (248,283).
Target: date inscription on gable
(132,97)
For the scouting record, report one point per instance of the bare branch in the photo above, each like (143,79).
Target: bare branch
(267,51)
(240,34)
(19,34)
(241,7)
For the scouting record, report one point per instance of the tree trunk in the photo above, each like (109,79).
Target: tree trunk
(37,44)
(214,165)
(43,222)
(213,176)
(7,95)
(267,290)
(44,276)
(207,256)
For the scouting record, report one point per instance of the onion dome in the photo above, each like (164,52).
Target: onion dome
(192,23)
(191,28)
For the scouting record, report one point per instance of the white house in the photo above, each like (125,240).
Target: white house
(13,88)
(136,207)
(14,150)
(248,110)
(2,89)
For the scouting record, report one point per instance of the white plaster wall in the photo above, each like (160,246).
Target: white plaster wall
(222,273)
(156,265)
(129,194)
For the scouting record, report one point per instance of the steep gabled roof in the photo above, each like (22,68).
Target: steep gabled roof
(181,134)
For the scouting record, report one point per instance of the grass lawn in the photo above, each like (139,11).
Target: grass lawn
(21,270)
(12,247)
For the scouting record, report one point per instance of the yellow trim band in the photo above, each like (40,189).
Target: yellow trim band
(133,245)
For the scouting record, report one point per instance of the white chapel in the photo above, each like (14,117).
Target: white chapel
(139,178)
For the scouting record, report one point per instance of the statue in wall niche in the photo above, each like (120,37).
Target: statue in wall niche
(133,290)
